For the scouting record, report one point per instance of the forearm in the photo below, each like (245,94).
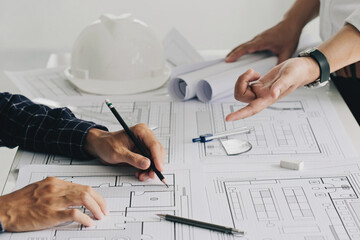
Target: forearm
(343,48)
(301,12)
(38,128)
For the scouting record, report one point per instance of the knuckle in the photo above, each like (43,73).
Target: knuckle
(237,96)
(114,155)
(156,145)
(51,188)
(84,196)
(87,189)
(73,213)
(48,201)
(51,179)
(140,128)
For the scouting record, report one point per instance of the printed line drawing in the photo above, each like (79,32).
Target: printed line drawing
(297,126)
(133,206)
(316,206)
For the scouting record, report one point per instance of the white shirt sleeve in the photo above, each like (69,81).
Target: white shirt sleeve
(354,19)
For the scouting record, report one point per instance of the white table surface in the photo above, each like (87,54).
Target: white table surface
(17,61)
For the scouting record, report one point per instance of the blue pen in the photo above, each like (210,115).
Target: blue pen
(209,137)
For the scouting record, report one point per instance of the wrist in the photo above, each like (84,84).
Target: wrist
(311,70)
(91,141)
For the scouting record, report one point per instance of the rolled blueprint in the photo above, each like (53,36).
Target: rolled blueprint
(182,86)
(220,85)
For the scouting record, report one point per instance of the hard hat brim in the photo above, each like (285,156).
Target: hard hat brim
(105,87)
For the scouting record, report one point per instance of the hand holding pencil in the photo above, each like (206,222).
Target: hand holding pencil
(117,148)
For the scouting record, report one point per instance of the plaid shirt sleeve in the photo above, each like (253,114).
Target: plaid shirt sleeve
(39,128)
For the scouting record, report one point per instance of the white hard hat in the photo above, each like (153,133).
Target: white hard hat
(117,55)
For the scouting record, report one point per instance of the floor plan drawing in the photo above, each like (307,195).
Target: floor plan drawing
(294,126)
(316,205)
(45,83)
(133,205)
(161,116)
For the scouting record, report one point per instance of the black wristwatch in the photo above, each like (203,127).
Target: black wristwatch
(321,60)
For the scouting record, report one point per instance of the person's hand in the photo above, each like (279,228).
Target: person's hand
(281,39)
(46,204)
(277,83)
(117,147)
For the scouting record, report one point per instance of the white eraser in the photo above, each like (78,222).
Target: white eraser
(293,164)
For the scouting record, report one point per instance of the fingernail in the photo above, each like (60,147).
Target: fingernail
(144,163)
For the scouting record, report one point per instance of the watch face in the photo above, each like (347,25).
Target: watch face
(307,52)
(316,84)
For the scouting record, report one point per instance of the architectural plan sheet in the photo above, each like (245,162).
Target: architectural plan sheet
(302,126)
(44,83)
(166,118)
(133,205)
(52,83)
(321,202)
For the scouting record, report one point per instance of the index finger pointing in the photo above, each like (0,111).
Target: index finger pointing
(252,108)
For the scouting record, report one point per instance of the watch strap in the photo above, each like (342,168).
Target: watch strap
(321,60)
(323,64)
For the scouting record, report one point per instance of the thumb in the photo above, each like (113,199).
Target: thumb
(136,160)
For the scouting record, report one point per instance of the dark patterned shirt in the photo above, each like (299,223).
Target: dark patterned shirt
(36,127)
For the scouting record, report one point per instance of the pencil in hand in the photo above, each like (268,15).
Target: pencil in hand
(135,141)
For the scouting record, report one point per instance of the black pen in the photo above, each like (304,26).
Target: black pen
(210,226)
(135,140)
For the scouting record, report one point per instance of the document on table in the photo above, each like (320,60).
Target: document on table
(302,125)
(160,114)
(132,204)
(319,203)
(240,191)
(266,201)
(50,83)
(44,83)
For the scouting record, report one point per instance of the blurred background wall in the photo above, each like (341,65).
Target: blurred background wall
(207,24)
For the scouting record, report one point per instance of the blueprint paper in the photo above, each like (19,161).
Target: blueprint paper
(183,87)
(164,116)
(302,126)
(44,83)
(319,203)
(132,204)
(51,83)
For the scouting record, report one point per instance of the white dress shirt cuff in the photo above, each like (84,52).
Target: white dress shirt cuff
(354,19)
